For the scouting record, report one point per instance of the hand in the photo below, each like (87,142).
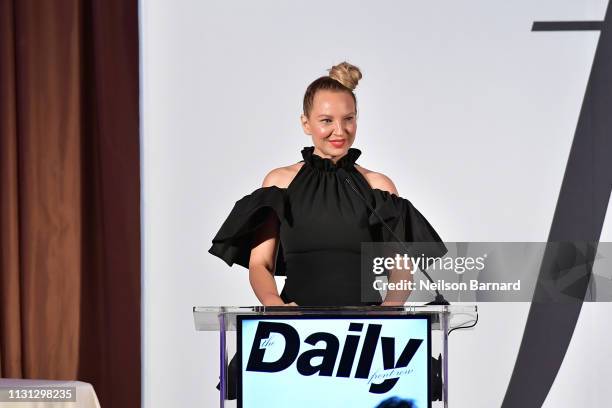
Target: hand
(277,301)
(392,303)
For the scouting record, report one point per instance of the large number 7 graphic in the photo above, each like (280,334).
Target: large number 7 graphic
(579,216)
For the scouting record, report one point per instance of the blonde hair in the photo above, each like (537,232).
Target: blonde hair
(343,77)
(347,74)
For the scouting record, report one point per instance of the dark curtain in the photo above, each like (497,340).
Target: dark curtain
(70,194)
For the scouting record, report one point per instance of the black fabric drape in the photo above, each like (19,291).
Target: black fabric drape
(70,194)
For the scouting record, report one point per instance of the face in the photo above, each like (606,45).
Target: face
(332,123)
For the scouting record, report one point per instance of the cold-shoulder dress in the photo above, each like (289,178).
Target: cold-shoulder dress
(323,219)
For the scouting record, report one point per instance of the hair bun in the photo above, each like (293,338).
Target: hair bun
(345,73)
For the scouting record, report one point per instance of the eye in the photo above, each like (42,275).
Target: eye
(326,120)
(350,118)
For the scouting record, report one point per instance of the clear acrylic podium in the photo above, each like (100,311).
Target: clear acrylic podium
(442,318)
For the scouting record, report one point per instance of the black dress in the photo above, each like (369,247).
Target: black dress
(323,222)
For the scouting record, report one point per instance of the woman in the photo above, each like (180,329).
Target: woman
(308,220)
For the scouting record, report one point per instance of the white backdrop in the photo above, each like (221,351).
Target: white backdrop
(468,111)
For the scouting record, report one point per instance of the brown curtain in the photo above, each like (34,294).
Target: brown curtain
(70,194)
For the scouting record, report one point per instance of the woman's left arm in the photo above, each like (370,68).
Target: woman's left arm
(393,297)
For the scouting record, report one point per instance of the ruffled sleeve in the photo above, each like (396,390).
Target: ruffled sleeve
(234,240)
(407,223)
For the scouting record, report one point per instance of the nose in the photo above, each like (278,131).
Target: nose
(338,129)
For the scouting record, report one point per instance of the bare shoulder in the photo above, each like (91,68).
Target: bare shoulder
(378,180)
(282,176)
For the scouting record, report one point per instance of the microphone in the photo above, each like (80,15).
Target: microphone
(439,299)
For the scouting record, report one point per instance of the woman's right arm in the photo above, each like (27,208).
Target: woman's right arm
(261,263)
(263,255)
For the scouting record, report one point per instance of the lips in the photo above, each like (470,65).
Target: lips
(338,143)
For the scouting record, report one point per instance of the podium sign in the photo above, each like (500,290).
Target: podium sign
(355,356)
(333,360)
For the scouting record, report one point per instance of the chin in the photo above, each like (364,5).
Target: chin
(337,151)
